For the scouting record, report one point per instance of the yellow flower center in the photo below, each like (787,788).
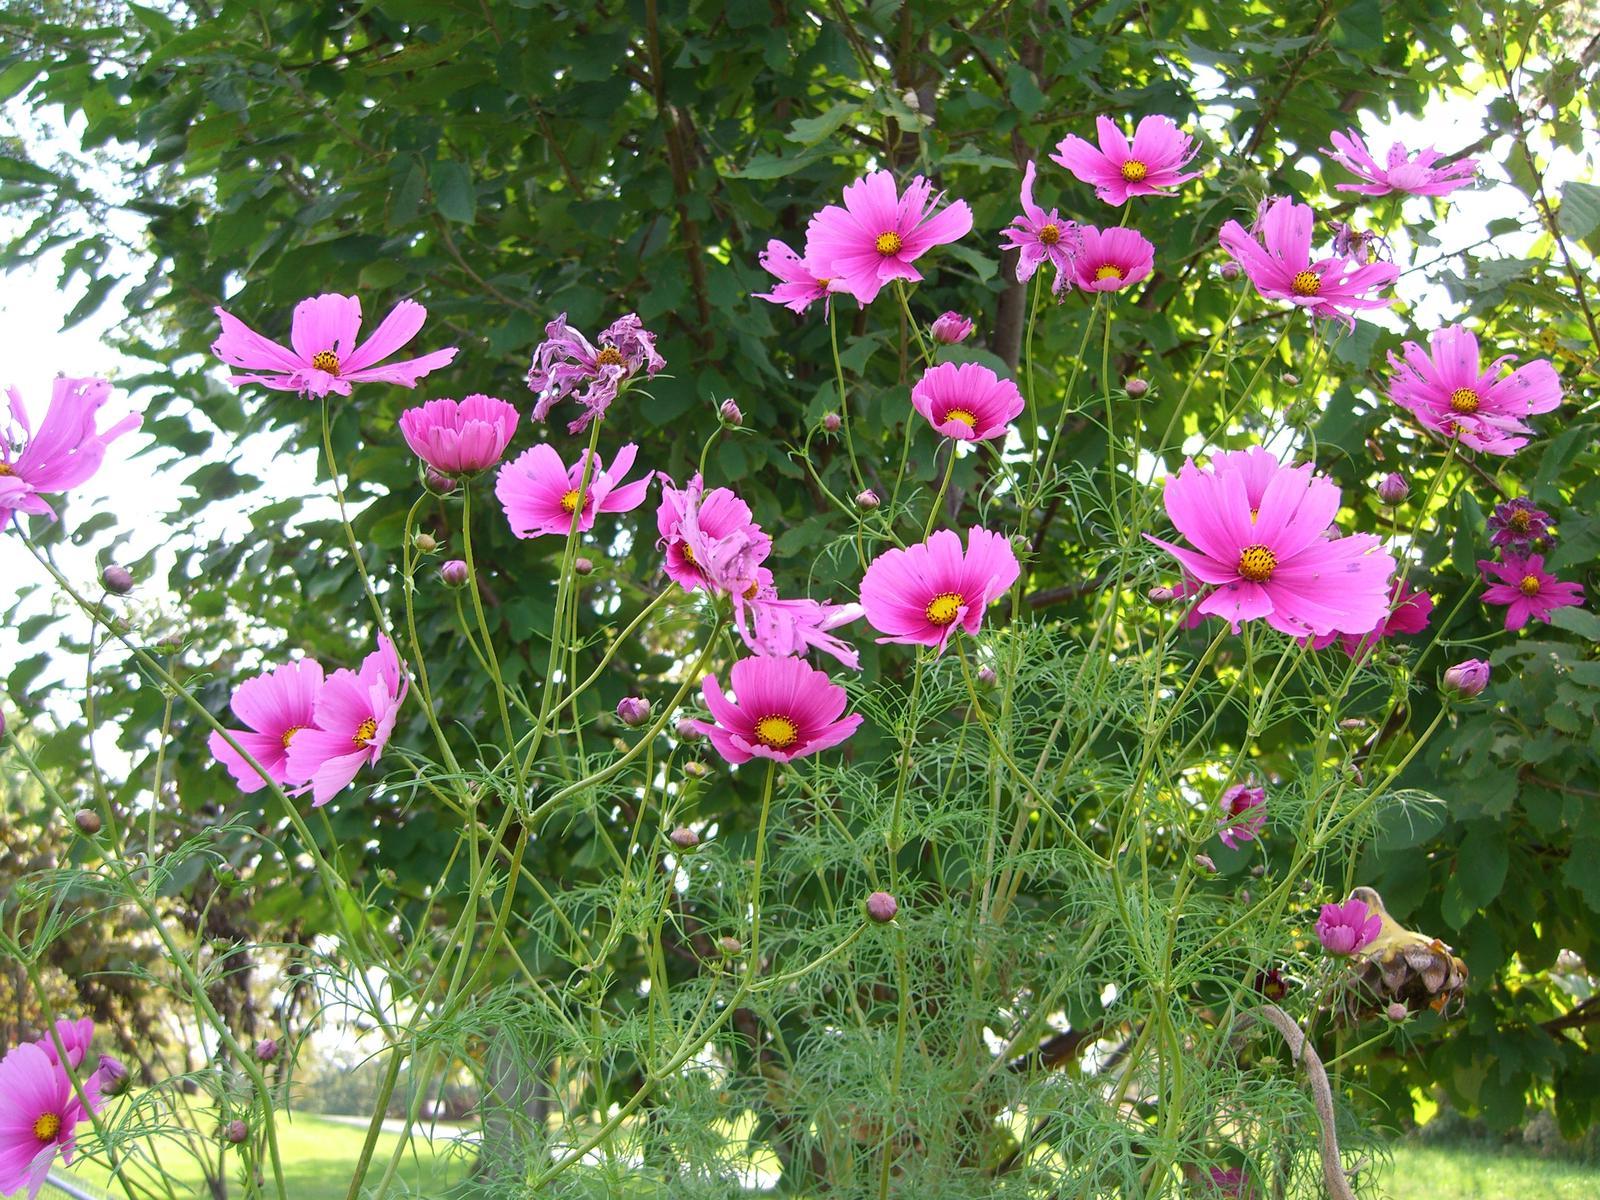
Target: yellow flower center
(750,592)
(609,356)
(777,732)
(1108,272)
(962,415)
(888,243)
(1521,520)
(1529,585)
(47,1126)
(1256,563)
(1050,234)
(288,734)
(365,732)
(326,360)
(5,469)
(1134,171)
(1464,400)
(944,608)
(1306,283)
(569,502)
(688,556)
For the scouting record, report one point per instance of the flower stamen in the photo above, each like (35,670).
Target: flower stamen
(47,1126)
(944,608)
(365,732)
(1464,400)
(1529,585)
(1306,283)
(960,414)
(570,502)
(1134,171)
(777,732)
(609,356)
(1256,563)
(1109,272)
(888,243)
(288,734)
(1050,234)
(326,360)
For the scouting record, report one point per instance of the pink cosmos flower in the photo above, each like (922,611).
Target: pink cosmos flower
(540,493)
(782,708)
(1244,814)
(1110,259)
(39,1116)
(1446,391)
(1281,268)
(1409,611)
(276,708)
(1151,166)
(1343,929)
(459,438)
(779,628)
(355,715)
(1413,174)
(879,233)
(325,357)
(800,284)
(567,364)
(66,451)
(75,1036)
(710,539)
(922,594)
(1527,590)
(1038,236)
(966,401)
(1275,558)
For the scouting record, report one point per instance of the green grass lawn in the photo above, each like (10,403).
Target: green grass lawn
(1469,1172)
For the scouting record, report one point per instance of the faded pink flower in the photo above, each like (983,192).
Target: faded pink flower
(1038,236)
(541,494)
(355,715)
(966,401)
(775,627)
(66,451)
(1527,590)
(920,595)
(1343,929)
(39,1117)
(325,357)
(567,364)
(879,233)
(782,709)
(710,539)
(800,282)
(1110,259)
(1446,391)
(1413,174)
(276,708)
(1151,166)
(1520,527)
(1244,814)
(459,438)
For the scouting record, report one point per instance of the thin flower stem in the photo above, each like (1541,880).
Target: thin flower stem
(938,500)
(754,967)
(344,519)
(844,402)
(483,623)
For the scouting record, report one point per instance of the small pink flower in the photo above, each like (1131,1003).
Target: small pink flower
(459,438)
(1110,259)
(39,1116)
(779,628)
(951,329)
(1343,929)
(1244,814)
(879,233)
(1447,392)
(1413,174)
(1038,236)
(1527,590)
(66,451)
(710,539)
(325,357)
(782,709)
(541,494)
(966,401)
(276,708)
(567,364)
(355,715)
(1281,268)
(800,282)
(922,594)
(75,1036)
(1151,166)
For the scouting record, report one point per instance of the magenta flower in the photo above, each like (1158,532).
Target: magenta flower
(779,628)
(966,401)
(800,282)
(325,357)
(710,539)
(1519,527)
(459,438)
(1281,268)
(782,709)
(541,494)
(1110,259)
(1346,928)
(1038,236)
(1275,558)
(276,708)
(66,451)
(922,594)
(1446,391)
(1409,611)
(1527,590)
(567,364)
(950,329)
(1244,814)
(1413,174)
(879,233)
(75,1036)
(355,715)
(1151,166)
(39,1116)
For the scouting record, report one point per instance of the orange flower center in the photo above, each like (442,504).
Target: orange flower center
(1050,234)
(1134,171)
(750,592)
(5,469)
(1529,585)
(1108,272)
(288,734)
(365,732)
(570,502)
(944,608)
(326,360)
(1306,283)
(888,243)
(1256,563)
(47,1126)
(609,356)
(1521,520)
(962,415)
(1464,400)
(777,732)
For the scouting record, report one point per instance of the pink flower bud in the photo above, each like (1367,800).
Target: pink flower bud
(951,329)
(730,945)
(881,907)
(1393,488)
(684,838)
(1290,379)
(987,677)
(1162,595)
(831,422)
(237,1132)
(1229,271)
(1466,680)
(687,732)
(583,566)
(868,500)
(1136,387)
(1397,1012)
(1205,863)
(439,483)
(633,712)
(730,413)
(112,1076)
(117,579)
(454,573)
(87,821)
(267,1049)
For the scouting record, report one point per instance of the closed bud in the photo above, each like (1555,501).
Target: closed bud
(1290,379)
(387,877)
(1257,871)
(1161,595)
(113,1076)
(1397,1012)
(1206,863)
(87,821)
(267,1049)
(687,730)
(633,711)
(117,579)
(170,644)
(454,573)
(951,328)
(1467,680)
(881,907)
(730,414)
(831,422)
(684,838)
(236,1132)
(730,945)
(1136,387)
(425,542)
(868,500)
(583,566)
(696,769)
(439,483)
(987,677)
(1229,271)
(1393,488)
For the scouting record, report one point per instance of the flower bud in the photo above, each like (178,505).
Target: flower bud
(87,821)
(1161,595)
(1135,387)
(426,543)
(439,483)
(730,945)
(687,730)
(696,769)
(454,573)
(951,329)
(633,711)
(987,677)
(1206,863)
(730,413)
(170,644)
(583,566)
(1397,1012)
(117,579)
(1466,680)
(684,838)
(831,422)
(1229,271)
(868,500)
(881,907)
(266,1050)
(1290,379)
(1393,488)
(113,1076)
(236,1132)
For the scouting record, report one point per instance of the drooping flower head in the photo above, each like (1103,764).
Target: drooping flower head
(801,282)
(1108,260)
(1038,237)
(880,232)
(39,1116)
(355,715)
(1413,174)
(1274,558)
(276,708)
(1343,929)
(1244,814)
(567,364)
(951,328)
(782,708)
(1526,589)
(922,594)
(65,452)
(1281,267)
(1409,611)
(324,356)
(966,401)
(459,438)
(1446,391)
(1151,166)
(542,495)
(775,627)
(709,539)
(1519,527)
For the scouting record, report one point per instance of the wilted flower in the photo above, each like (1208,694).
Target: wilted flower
(633,711)
(110,1078)
(710,539)
(776,627)
(1346,928)
(1393,488)
(1519,527)
(966,401)
(1151,166)
(922,594)
(566,364)
(1039,237)
(1527,589)
(459,438)
(781,709)
(882,907)
(1467,679)
(1413,174)
(1244,814)
(951,329)
(1445,390)
(879,233)
(65,452)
